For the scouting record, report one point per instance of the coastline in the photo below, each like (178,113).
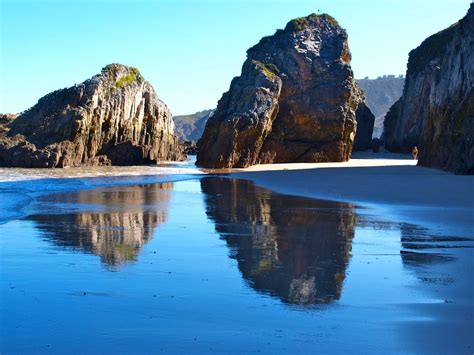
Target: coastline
(384,184)
(21,188)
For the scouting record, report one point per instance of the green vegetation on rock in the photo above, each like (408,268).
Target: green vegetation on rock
(429,49)
(130,78)
(269,69)
(301,22)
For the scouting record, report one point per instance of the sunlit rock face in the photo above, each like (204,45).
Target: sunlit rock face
(111,223)
(295,101)
(436,110)
(5,120)
(114,118)
(293,248)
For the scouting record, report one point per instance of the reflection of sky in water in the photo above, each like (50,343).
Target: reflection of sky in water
(166,276)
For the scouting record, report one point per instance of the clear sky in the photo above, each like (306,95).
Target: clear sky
(190,50)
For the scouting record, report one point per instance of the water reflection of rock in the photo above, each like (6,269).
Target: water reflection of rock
(294,248)
(111,223)
(420,248)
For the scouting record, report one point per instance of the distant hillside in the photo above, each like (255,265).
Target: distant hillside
(190,127)
(381,94)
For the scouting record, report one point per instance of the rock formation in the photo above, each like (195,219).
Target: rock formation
(436,110)
(5,120)
(113,118)
(380,95)
(293,248)
(191,127)
(365,127)
(295,101)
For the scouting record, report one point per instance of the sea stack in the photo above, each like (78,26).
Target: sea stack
(114,118)
(436,110)
(295,101)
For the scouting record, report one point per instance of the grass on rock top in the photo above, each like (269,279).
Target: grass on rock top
(301,22)
(130,78)
(270,69)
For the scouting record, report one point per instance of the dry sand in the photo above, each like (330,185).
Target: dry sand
(396,187)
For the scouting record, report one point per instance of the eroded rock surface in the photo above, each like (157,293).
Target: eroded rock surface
(295,101)
(114,118)
(436,110)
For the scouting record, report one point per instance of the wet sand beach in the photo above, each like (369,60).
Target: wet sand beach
(436,199)
(321,260)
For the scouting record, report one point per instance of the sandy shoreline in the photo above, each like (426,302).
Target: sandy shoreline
(388,184)
(434,199)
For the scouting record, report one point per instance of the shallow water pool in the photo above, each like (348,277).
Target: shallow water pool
(215,264)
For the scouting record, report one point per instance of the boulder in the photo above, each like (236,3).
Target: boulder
(114,118)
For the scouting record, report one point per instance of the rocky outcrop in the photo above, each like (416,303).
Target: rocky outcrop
(5,120)
(113,118)
(234,135)
(365,127)
(190,147)
(295,101)
(436,110)
(380,95)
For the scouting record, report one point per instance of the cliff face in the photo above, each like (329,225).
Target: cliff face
(234,135)
(436,110)
(295,101)
(113,118)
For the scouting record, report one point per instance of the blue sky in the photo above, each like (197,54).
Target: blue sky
(190,50)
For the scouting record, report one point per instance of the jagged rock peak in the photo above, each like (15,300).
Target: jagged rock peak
(113,118)
(312,20)
(295,101)
(121,75)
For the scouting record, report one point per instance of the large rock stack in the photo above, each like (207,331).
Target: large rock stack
(295,101)
(113,118)
(436,111)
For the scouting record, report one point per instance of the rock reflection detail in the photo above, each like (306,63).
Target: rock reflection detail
(111,223)
(293,248)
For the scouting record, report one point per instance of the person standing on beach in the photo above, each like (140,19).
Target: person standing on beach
(414,153)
